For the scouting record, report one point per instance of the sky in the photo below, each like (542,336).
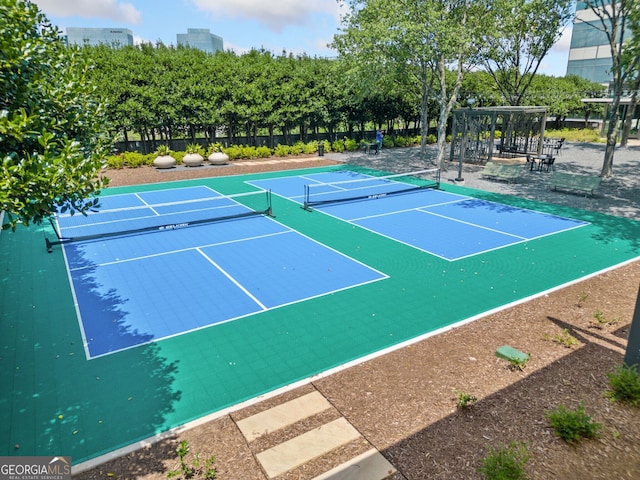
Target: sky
(294,26)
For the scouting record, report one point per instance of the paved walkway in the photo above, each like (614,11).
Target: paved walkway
(618,195)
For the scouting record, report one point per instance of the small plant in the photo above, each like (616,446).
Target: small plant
(214,148)
(572,425)
(163,150)
(625,385)
(194,148)
(195,470)
(564,338)
(582,296)
(519,363)
(465,399)
(506,462)
(600,321)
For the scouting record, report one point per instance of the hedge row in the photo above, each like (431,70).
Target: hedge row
(236,152)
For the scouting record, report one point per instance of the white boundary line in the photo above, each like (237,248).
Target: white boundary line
(94,462)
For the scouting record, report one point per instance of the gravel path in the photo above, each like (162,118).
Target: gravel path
(618,195)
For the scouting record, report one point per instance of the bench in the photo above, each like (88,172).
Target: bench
(586,184)
(500,171)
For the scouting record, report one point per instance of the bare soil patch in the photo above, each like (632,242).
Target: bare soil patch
(404,403)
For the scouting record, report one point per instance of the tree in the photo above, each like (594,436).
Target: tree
(631,52)
(416,42)
(53,135)
(523,33)
(610,19)
(564,96)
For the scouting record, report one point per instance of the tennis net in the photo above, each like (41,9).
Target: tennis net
(368,187)
(157,218)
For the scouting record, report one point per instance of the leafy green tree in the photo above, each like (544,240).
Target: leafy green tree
(631,52)
(418,42)
(563,96)
(610,19)
(53,133)
(522,34)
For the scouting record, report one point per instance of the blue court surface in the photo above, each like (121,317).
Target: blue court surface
(174,277)
(419,217)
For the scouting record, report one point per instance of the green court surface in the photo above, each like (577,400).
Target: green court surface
(56,402)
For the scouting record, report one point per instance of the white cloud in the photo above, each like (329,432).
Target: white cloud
(109,9)
(564,43)
(275,15)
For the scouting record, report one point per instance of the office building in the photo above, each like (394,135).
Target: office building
(115,37)
(200,38)
(589,54)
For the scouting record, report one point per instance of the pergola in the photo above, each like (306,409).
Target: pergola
(474,133)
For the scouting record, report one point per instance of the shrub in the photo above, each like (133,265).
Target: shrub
(135,159)
(297,148)
(387,142)
(248,151)
(506,463)
(400,141)
(327,145)
(431,138)
(625,385)
(337,146)
(178,156)
(263,152)
(572,425)
(311,147)
(351,145)
(115,161)
(234,152)
(575,135)
(281,150)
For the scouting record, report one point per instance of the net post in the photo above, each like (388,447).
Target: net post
(49,243)
(269,211)
(305,204)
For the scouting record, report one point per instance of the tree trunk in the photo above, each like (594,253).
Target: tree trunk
(612,137)
(424,111)
(631,110)
(126,139)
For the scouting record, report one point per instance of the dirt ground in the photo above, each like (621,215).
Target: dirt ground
(404,403)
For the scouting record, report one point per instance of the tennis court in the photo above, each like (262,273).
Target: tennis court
(62,396)
(403,208)
(202,241)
